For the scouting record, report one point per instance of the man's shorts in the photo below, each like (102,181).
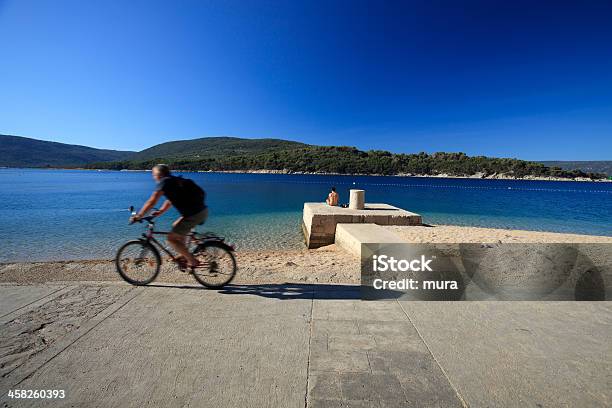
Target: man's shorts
(186,224)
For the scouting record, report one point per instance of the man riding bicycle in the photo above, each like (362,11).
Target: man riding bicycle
(187,197)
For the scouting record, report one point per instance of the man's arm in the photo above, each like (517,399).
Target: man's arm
(165,207)
(149,204)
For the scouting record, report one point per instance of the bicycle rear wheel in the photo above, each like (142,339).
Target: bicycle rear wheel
(138,262)
(217,264)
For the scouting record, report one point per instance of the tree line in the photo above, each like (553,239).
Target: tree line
(349,160)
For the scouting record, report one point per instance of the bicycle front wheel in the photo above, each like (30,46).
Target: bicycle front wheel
(217,264)
(138,262)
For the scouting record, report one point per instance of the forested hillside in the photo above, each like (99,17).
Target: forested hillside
(17,151)
(236,154)
(602,166)
(349,160)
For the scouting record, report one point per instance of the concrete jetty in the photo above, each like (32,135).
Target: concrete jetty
(320,220)
(350,237)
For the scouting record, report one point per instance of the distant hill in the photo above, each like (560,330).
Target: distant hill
(213,146)
(276,155)
(234,154)
(17,151)
(586,166)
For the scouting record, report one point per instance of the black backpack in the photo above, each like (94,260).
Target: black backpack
(192,190)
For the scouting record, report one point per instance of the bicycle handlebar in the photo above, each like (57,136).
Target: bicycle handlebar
(148,218)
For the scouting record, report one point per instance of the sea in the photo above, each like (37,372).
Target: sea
(48,214)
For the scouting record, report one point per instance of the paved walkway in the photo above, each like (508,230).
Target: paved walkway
(112,345)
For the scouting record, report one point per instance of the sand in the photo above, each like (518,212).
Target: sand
(324,265)
(455,234)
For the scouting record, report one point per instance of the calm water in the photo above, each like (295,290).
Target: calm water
(69,214)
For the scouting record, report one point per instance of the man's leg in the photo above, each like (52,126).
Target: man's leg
(177,242)
(176,239)
(180,229)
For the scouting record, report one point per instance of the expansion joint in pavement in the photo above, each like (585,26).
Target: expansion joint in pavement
(21,374)
(37,302)
(310,324)
(463,401)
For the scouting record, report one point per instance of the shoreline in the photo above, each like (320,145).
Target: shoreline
(407,175)
(328,264)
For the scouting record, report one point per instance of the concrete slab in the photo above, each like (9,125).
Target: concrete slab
(32,338)
(520,354)
(16,297)
(368,354)
(350,236)
(176,347)
(296,345)
(319,220)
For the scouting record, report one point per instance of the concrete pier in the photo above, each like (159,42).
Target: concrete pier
(320,220)
(350,237)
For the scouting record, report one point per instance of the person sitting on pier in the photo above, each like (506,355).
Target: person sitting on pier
(332,198)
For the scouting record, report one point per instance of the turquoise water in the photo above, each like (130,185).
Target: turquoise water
(72,214)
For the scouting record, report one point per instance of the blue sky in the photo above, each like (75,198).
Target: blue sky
(531,80)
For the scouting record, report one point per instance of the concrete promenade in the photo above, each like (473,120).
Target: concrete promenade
(296,345)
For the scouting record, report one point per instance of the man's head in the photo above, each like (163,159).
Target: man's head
(160,171)
(333,189)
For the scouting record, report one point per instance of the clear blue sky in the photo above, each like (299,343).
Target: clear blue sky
(529,79)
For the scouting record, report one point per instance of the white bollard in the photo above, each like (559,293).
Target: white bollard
(357,199)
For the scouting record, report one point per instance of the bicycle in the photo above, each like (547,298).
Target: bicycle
(139,261)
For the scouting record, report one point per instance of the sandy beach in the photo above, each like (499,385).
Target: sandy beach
(456,234)
(329,264)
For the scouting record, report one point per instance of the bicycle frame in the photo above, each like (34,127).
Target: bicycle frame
(151,239)
(149,236)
